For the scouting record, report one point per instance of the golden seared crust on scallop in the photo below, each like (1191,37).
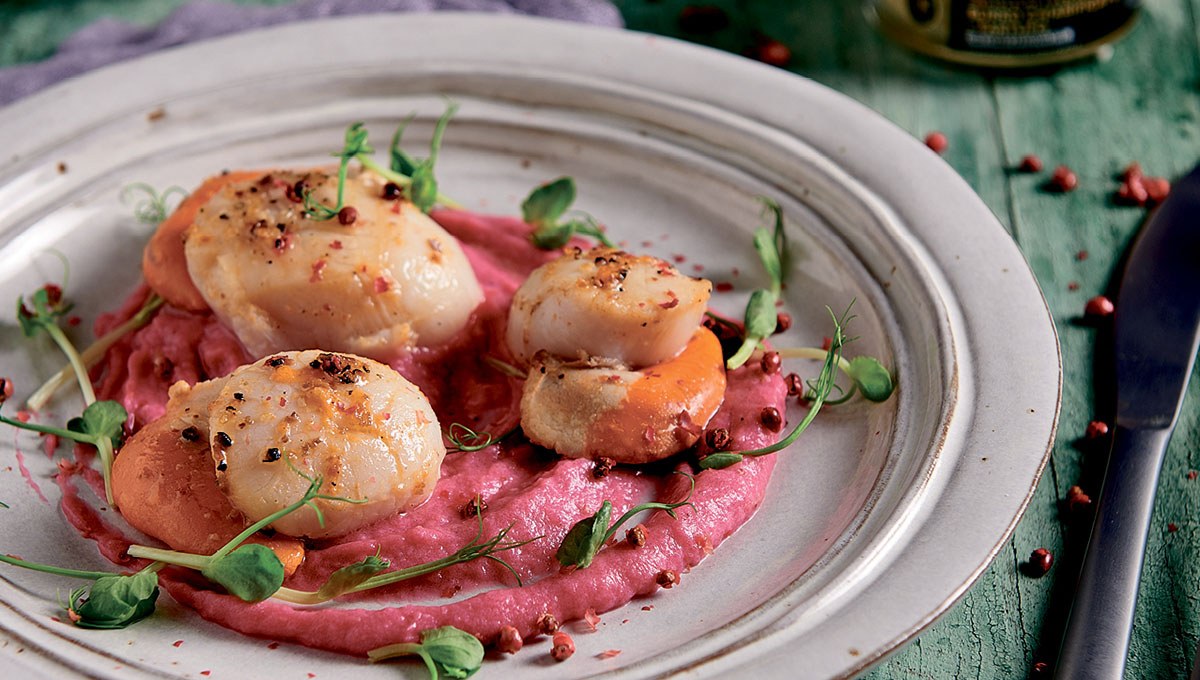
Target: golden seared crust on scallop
(637,310)
(375,281)
(369,433)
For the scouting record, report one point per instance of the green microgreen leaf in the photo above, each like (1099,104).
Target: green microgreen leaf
(585,538)
(544,209)
(720,460)
(547,203)
(761,314)
(101,420)
(446,650)
(251,572)
(348,578)
(114,601)
(153,208)
(871,378)
(401,162)
(46,306)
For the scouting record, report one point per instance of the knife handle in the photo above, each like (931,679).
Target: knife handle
(1096,642)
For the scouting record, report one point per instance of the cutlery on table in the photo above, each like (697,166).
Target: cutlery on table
(1155,335)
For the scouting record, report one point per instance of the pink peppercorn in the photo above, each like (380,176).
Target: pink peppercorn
(510,641)
(1063,180)
(1097,429)
(1099,307)
(937,142)
(563,647)
(773,52)
(1030,163)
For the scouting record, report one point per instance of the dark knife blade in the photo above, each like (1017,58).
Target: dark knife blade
(1156,333)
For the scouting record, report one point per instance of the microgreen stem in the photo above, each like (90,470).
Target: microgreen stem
(824,385)
(49,429)
(94,352)
(399,180)
(57,571)
(471,551)
(812,353)
(504,367)
(180,559)
(85,383)
(668,507)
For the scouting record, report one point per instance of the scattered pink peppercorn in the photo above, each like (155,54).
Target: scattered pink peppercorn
(771,419)
(6,389)
(1099,307)
(795,384)
(1077,500)
(1073,285)
(347,215)
(1131,192)
(937,142)
(1063,180)
(636,536)
(718,439)
(1097,429)
(563,647)
(1081,255)
(510,641)
(1192,474)
(1131,171)
(547,624)
(1172,527)
(1030,163)
(771,363)
(1041,669)
(667,578)
(773,52)
(1157,189)
(1040,561)
(783,321)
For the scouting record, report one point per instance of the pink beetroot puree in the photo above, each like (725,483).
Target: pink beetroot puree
(529,489)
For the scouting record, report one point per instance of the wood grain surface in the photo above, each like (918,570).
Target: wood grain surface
(1141,104)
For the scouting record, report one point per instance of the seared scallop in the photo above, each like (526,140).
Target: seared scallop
(375,280)
(365,430)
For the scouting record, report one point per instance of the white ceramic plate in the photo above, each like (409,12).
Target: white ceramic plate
(875,523)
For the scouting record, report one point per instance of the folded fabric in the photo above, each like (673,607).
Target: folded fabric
(109,40)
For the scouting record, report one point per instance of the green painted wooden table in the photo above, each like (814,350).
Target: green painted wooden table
(1143,104)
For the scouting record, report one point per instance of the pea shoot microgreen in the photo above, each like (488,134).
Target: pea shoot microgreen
(355,145)
(251,572)
(112,601)
(584,540)
(415,176)
(477,548)
(153,207)
(761,316)
(544,208)
(95,352)
(423,189)
(446,650)
(819,394)
(101,422)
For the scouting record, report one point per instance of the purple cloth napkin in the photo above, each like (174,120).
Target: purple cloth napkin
(109,40)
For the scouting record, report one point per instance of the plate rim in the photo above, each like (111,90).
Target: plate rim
(600,38)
